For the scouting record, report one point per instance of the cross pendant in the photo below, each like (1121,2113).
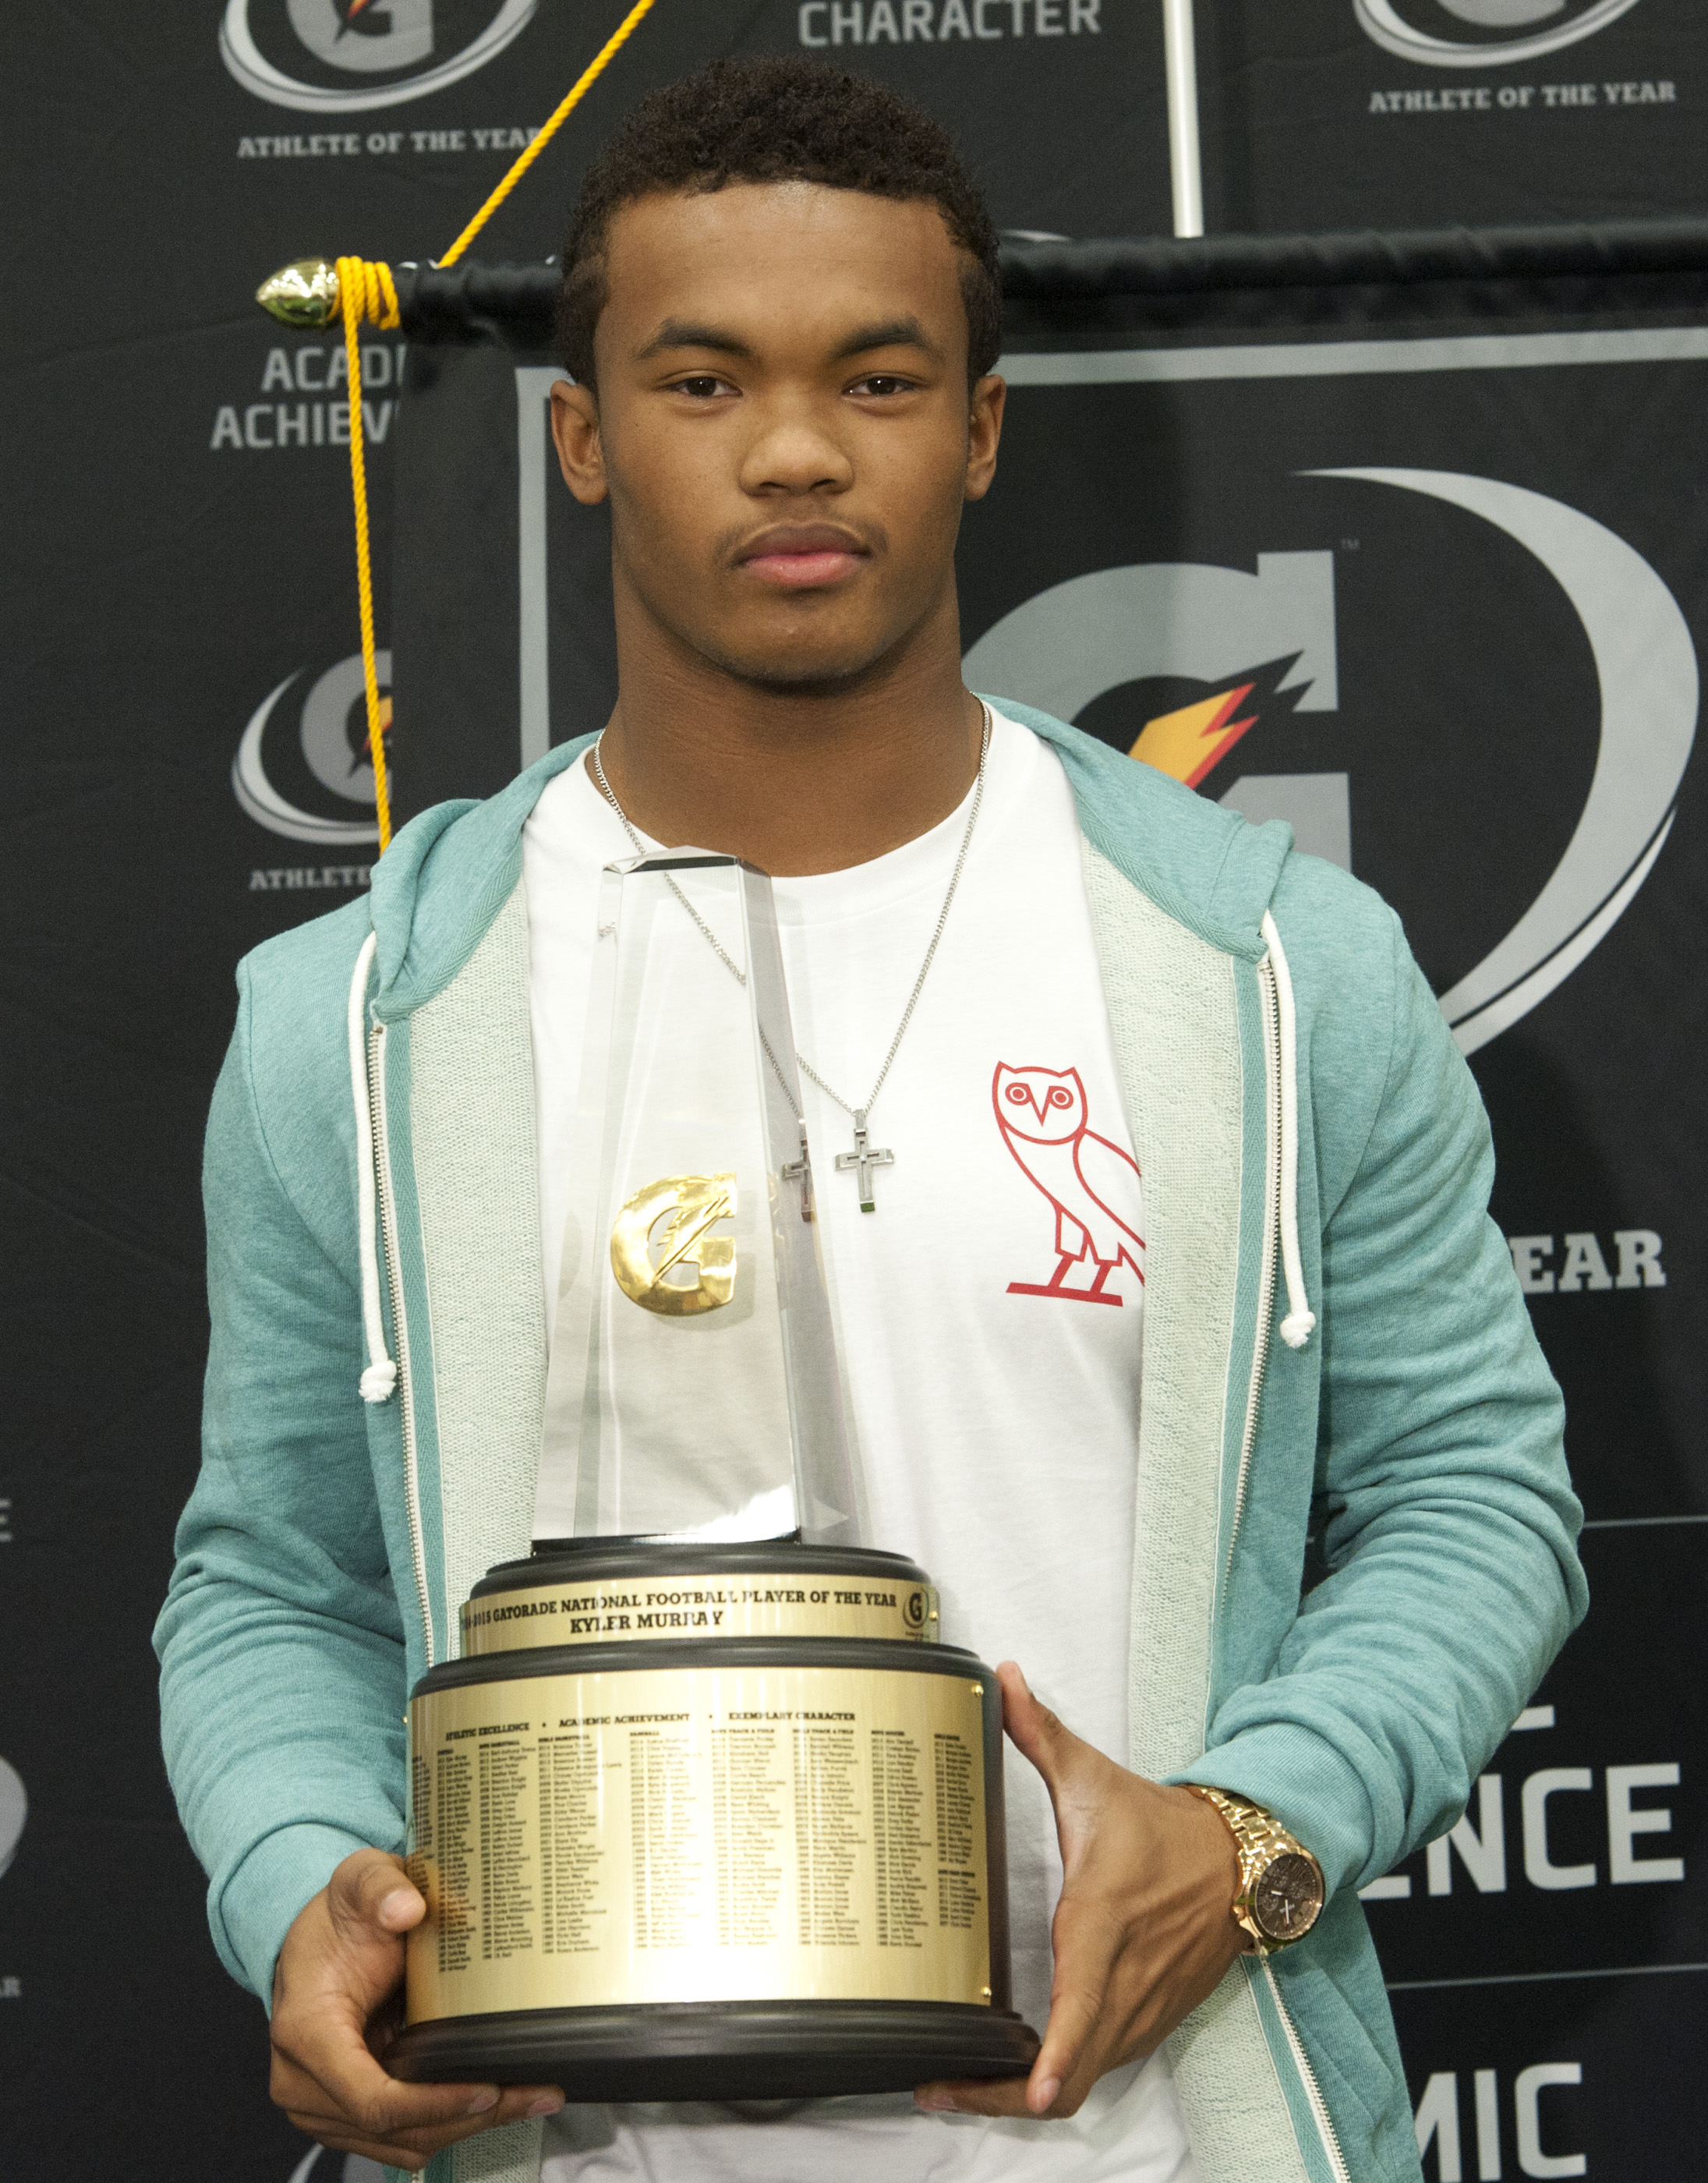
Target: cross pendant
(801,1171)
(864,1158)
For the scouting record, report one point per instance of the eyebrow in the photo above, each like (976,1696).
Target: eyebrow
(683,333)
(886,333)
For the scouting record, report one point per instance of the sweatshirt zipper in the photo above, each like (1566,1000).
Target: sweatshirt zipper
(1313,2090)
(1260,1359)
(1272,1243)
(388,1237)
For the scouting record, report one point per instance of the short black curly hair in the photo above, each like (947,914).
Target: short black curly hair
(777,120)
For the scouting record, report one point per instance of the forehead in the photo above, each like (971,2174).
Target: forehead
(779,258)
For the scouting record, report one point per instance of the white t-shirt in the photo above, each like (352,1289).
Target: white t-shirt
(989,1316)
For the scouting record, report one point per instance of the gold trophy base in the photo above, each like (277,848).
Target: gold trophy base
(708,1867)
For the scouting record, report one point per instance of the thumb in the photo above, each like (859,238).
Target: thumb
(372,1900)
(1075,1773)
(1034,1731)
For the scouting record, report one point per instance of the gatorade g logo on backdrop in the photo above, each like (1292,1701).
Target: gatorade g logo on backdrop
(331,764)
(1255,649)
(351,56)
(1483,33)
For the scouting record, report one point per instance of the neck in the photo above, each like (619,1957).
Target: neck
(794,778)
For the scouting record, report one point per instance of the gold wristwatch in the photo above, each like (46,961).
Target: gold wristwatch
(1281,1887)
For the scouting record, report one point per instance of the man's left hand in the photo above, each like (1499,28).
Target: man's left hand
(1144,1930)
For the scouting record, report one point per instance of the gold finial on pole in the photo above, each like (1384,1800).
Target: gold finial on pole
(303,295)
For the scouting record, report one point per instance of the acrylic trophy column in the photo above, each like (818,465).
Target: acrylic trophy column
(705,1810)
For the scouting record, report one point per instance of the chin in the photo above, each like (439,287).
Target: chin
(792,665)
(808,680)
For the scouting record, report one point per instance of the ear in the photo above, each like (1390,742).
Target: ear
(575,431)
(984,429)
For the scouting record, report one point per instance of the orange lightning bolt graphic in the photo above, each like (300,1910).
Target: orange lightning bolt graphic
(1186,744)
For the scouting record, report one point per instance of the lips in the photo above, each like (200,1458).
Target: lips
(802,556)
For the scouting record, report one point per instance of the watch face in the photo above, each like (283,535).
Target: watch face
(1286,1900)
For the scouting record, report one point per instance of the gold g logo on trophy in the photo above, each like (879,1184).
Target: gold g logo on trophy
(665,1250)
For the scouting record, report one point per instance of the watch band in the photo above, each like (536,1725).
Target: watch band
(1259,1839)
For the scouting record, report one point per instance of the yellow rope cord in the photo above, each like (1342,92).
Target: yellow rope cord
(590,75)
(367,295)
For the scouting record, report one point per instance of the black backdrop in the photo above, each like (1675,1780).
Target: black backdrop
(181,782)
(1408,112)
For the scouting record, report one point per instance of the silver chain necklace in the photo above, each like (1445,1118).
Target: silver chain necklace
(865,1156)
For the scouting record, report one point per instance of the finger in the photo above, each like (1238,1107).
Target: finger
(371,2148)
(979,2095)
(1038,1734)
(1032,1728)
(1026,2098)
(1068,2059)
(1079,1779)
(322,2064)
(377,2105)
(515,2103)
(371,1895)
(1087,1947)
(385,2108)
(382,2156)
(518,2103)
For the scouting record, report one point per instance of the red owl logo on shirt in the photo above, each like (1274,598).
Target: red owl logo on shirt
(1092,1184)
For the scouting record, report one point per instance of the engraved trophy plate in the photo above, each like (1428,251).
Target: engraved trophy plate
(702,1833)
(705,1810)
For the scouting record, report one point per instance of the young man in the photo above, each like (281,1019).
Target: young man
(779,306)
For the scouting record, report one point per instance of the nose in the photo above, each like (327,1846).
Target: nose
(794,450)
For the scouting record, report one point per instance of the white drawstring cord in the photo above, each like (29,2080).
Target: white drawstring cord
(1295,1327)
(380,1376)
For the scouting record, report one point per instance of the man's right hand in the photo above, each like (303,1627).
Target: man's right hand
(336,2009)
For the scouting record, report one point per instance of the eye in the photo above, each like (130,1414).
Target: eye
(1059,1097)
(882,384)
(1016,1092)
(703,386)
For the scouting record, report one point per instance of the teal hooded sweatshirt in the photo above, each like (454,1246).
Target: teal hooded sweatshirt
(1334,1344)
